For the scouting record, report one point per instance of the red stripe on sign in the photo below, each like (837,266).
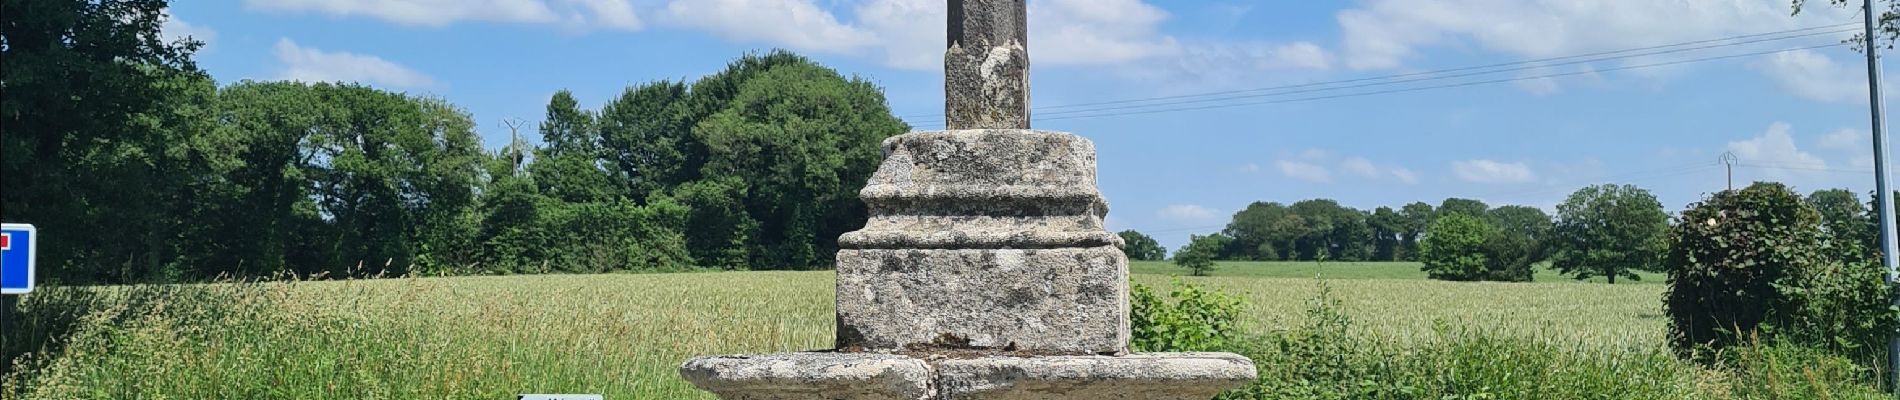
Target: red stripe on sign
(6,241)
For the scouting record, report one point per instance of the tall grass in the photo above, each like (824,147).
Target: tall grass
(619,335)
(625,335)
(1328,357)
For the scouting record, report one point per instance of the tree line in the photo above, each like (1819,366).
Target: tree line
(1607,230)
(137,166)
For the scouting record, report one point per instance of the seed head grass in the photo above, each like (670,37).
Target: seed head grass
(624,335)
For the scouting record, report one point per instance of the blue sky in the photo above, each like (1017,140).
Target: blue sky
(1797,116)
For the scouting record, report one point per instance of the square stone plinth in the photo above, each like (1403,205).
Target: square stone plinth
(887,376)
(1036,301)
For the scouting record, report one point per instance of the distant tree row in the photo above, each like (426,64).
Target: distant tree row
(136,166)
(1598,232)
(1608,231)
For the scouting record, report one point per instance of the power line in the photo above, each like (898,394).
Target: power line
(1437,74)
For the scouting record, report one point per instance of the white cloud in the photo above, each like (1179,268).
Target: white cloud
(1187,213)
(1068,32)
(1487,171)
(1299,55)
(1359,166)
(909,32)
(608,13)
(174,29)
(1405,175)
(1776,152)
(798,24)
(611,14)
(1250,168)
(1383,34)
(1856,145)
(1304,171)
(1310,165)
(313,65)
(1814,76)
(1846,139)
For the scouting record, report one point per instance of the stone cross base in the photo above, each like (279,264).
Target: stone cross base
(832,375)
(984,272)
(984,239)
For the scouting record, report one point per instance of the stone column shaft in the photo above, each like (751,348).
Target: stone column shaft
(986,68)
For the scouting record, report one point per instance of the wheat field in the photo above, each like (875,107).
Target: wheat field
(622,335)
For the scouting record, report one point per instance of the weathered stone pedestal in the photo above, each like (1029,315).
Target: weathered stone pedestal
(983,273)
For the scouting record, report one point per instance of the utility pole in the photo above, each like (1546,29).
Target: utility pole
(1889,249)
(514,147)
(1728,159)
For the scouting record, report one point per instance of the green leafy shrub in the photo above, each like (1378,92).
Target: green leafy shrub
(1195,320)
(1726,257)
(592,237)
(1755,261)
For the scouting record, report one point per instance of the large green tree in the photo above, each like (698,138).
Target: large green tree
(1608,230)
(1198,255)
(1332,231)
(1141,247)
(1388,232)
(336,176)
(1418,216)
(1260,232)
(802,139)
(1846,221)
(569,165)
(1518,242)
(1456,205)
(94,102)
(1453,248)
(647,136)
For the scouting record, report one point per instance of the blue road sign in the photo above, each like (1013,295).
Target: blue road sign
(16,258)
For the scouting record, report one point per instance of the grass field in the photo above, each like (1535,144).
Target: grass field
(624,335)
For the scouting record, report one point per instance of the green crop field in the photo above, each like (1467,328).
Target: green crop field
(1346,270)
(623,335)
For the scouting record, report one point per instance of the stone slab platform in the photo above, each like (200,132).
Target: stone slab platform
(832,375)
